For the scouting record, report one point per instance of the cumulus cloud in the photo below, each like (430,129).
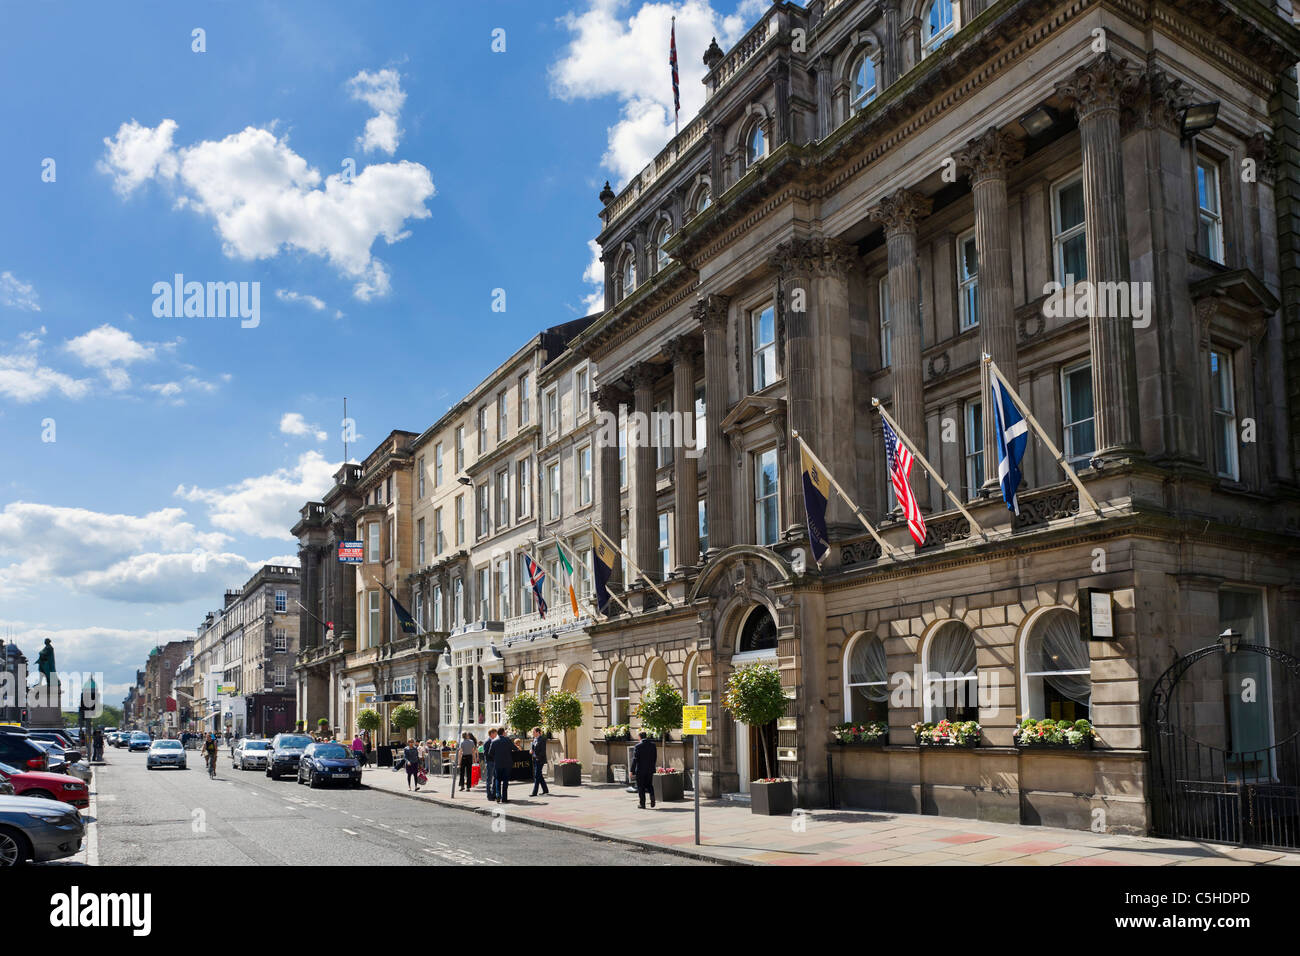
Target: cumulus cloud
(264,198)
(18,294)
(285,295)
(382,92)
(292,423)
(109,349)
(24,379)
(265,506)
(594,276)
(175,391)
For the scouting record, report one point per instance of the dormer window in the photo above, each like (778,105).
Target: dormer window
(937,26)
(864,83)
(755,145)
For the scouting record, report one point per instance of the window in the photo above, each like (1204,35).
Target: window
(696,691)
(458,603)
(763,326)
(496,709)
(886,329)
(543,688)
(437,464)
(484,510)
(1069,232)
(374,624)
(1209,212)
(372,543)
(525,399)
(419,543)
(937,26)
(622,447)
(1224,407)
(388,492)
(755,145)
(663,233)
(503,589)
(503,415)
(968,281)
(460,448)
(627,275)
(553,491)
(1249,728)
(281,675)
(702,509)
(864,83)
(584,580)
(766,486)
(552,411)
(700,200)
(1058,675)
(619,695)
(447,719)
(503,498)
(582,390)
(482,430)
(555,585)
(437,607)
(281,637)
(460,519)
(419,476)
(974,447)
(622,544)
(484,593)
(524,498)
(950,675)
(584,476)
(1076,402)
(281,601)
(701,429)
(758,632)
(663,426)
(439,542)
(664,555)
(419,611)
(866,680)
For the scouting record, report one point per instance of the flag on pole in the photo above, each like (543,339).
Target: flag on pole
(568,569)
(1012,436)
(672,60)
(536,578)
(404,619)
(816,493)
(602,567)
(900,466)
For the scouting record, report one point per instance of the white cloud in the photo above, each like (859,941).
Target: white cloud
(595,277)
(114,652)
(108,348)
(265,506)
(137,154)
(24,379)
(175,390)
(292,423)
(285,295)
(382,92)
(264,198)
(154,578)
(18,294)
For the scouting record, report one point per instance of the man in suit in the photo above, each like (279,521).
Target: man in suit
(538,748)
(501,755)
(644,759)
(489,768)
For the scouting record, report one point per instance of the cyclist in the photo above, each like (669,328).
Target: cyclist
(210,754)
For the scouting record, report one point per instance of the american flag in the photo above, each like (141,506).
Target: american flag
(672,60)
(900,466)
(536,578)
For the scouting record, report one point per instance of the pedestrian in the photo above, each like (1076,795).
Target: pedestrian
(431,754)
(644,758)
(538,748)
(97,752)
(489,765)
(411,761)
(466,759)
(501,757)
(359,750)
(368,748)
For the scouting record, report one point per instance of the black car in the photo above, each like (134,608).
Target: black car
(25,754)
(328,763)
(286,751)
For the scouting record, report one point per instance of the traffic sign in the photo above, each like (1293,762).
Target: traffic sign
(695,720)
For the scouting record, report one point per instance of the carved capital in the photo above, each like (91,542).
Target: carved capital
(813,256)
(682,349)
(711,310)
(643,375)
(990,155)
(1102,84)
(610,395)
(1157,101)
(901,211)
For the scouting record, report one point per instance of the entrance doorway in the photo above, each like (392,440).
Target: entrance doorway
(577,743)
(749,753)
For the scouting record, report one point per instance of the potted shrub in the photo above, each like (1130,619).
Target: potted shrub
(755,698)
(660,711)
(668,784)
(405,717)
(563,712)
(868,732)
(1054,734)
(523,713)
(368,720)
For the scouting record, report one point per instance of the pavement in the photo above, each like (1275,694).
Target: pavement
(731,834)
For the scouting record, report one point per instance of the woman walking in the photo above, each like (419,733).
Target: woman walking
(359,750)
(411,760)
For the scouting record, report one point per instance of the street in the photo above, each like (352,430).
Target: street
(184,818)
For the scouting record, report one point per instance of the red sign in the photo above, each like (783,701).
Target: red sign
(171,705)
(351,552)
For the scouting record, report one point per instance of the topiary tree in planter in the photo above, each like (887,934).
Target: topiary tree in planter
(660,710)
(755,698)
(405,717)
(369,720)
(523,713)
(563,712)
(323,727)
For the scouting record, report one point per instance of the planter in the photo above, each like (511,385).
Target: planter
(948,742)
(568,775)
(878,742)
(771,799)
(1084,744)
(668,787)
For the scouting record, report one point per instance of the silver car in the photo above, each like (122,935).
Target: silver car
(165,753)
(251,754)
(38,830)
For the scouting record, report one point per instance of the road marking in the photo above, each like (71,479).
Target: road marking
(350,832)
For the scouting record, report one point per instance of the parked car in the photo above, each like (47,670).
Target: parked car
(64,761)
(52,736)
(139,741)
(251,754)
(286,751)
(328,763)
(18,751)
(38,830)
(47,786)
(166,753)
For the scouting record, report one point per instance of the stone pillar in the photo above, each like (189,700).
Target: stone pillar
(685,476)
(899,214)
(609,397)
(988,158)
(640,443)
(891,44)
(825,97)
(711,311)
(717,154)
(1095,91)
(780,77)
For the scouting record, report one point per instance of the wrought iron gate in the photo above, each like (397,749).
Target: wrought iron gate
(1220,795)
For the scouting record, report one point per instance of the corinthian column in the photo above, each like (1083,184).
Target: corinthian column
(645,521)
(711,311)
(1095,91)
(988,158)
(899,214)
(685,477)
(609,397)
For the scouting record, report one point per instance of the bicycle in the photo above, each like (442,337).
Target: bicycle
(211,760)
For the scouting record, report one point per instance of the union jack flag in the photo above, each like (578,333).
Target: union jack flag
(536,578)
(672,60)
(899,460)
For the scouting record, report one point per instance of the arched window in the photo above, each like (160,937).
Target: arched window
(543,686)
(937,26)
(694,686)
(755,145)
(618,695)
(1056,673)
(699,200)
(758,633)
(627,276)
(950,676)
(657,672)
(663,233)
(866,680)
(864,83)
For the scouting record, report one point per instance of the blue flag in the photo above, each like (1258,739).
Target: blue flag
(816,491)
(1012,436)
(602,568)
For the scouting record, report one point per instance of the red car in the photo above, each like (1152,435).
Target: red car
(51,786)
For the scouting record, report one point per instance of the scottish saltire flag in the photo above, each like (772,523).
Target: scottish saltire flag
(816,492)
(602,567)
(672,60)
(404,619)
(899,460)
(568,569)
(1012,436)
(536,578)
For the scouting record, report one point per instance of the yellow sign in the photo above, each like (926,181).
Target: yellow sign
(695,720)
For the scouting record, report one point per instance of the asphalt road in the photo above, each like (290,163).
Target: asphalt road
(185,818)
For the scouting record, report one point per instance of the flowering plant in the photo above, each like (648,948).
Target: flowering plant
(1070,733)
(618,732)
(667,770)
(771,780)
(569,760)
(960,733)
(865,732)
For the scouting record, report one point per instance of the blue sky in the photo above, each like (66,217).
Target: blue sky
(474,170)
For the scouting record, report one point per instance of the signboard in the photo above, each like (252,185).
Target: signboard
(496,683)
(225,689)
(396,698)
(351,552)
(1096,621)
(695,720)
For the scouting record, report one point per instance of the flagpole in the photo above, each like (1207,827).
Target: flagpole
(632,563)
(677,113)
(885,546)
(1042,433)
(577,563)
(930,469)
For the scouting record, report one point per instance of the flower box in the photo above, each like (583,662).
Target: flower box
(870,734)
(946,733)
(1054,735)
(568,774)
(1085,744)
(967,744)
(668,786)
(771,798)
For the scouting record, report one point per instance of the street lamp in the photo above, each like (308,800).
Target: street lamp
(1231,640)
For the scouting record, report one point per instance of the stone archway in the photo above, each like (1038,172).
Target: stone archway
(577,743)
